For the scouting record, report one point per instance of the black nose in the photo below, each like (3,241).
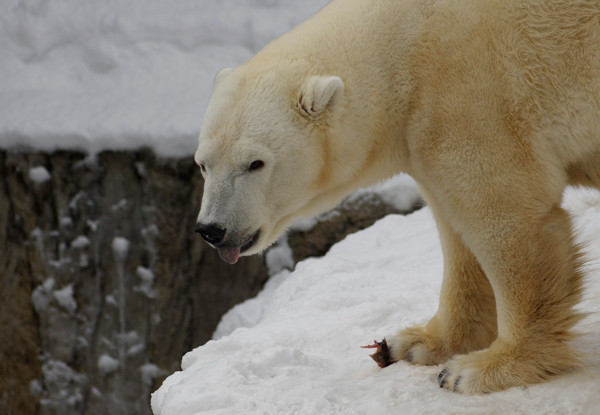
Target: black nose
(211,233)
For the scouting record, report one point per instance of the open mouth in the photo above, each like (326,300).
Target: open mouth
(231,255)
(251,242)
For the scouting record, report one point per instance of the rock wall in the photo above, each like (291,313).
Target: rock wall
(103,283)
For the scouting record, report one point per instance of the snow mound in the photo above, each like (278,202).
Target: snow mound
(302,354)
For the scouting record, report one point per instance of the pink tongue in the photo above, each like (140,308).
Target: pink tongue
(229,255)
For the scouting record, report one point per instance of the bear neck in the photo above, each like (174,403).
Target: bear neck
(367,133)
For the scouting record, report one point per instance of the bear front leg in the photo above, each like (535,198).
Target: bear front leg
(534,266)
(466,317)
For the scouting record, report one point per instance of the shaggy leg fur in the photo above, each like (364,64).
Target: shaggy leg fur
(515,263)
(536,289)
(466,318)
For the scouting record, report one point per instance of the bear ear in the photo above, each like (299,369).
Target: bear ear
(318,93)
(222,75)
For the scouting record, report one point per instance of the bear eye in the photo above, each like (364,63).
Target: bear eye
(256,165)
(202,168)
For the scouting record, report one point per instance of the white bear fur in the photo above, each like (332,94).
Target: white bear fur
(493,106)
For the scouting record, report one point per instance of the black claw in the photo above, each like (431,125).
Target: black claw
(458,380)
(442,377)
(409,357)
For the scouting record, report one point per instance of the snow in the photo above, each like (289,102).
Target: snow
(64,297)
(296,346)
(107,364)
(122,74)
(146,277)
(39,174)
(63,385)
(400,191)
(149,372)
(80,242)
(250,312)
(120,247)
(279,256)
(43,294)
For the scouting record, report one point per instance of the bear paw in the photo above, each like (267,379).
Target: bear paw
(476,373)
(500,367)
(417,345)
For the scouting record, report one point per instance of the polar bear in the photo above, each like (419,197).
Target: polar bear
(493,107)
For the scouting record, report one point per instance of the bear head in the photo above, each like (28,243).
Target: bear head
(263,154)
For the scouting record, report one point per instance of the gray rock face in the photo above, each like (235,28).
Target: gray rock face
(103,284)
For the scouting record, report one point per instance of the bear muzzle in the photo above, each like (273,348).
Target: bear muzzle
(229,249)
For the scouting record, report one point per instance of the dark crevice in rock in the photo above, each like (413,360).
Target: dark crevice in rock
(104,285)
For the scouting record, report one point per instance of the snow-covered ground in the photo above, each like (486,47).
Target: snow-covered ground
(302,354)
(122,74)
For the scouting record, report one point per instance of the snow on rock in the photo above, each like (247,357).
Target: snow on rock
(279,257)
(39,174)
(42,295)
(107,364)
(302,356)
(149,372)
(120,247)
(146,277)
(91,75)
(64,298)
(80,242)
(400,191)
(64,386)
